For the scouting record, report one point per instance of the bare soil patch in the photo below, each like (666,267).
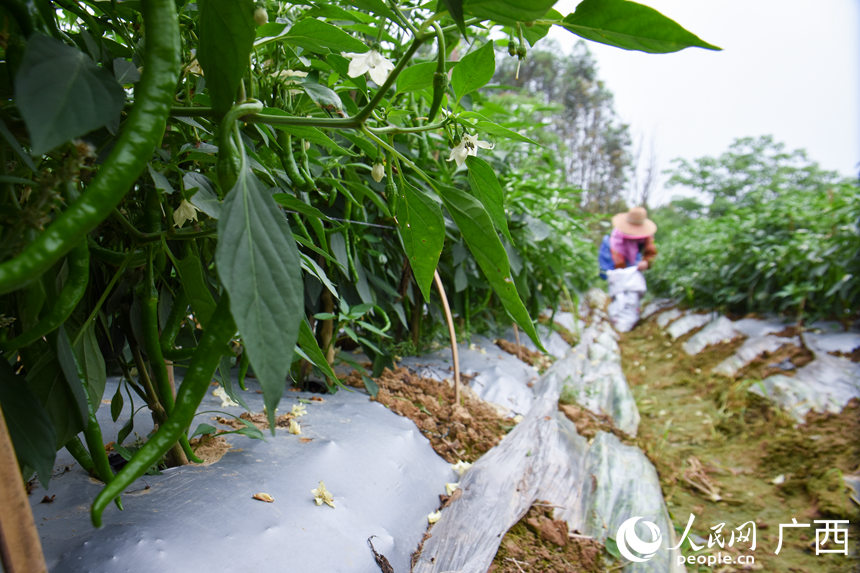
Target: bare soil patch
(210,449)
(726,455)
(462,431)
(531,357)
(538,543)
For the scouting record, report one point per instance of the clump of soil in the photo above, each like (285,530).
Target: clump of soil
(588,424)
(784,360)
(531,357)
(462,431)
(727,455)
(853,356)
(538,543)
(259,419)
(210,448)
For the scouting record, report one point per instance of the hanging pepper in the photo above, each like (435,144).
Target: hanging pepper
(140,135)
(191,392)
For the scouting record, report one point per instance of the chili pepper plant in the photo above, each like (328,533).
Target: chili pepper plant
(193,187)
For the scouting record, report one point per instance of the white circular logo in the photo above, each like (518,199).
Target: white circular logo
(628,540)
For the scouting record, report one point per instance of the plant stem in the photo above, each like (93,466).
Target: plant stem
(453,335)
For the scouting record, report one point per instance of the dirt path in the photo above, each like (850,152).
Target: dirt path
(726,457)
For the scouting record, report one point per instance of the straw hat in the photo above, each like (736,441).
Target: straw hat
(635,223)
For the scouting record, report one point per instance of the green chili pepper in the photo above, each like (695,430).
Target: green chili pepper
(116,258)
(229,161)
(96,445)
(440,78)
(152,347)
(305,168)
(151,343)
(288,159)
(191,392)
(64,303)
(81,455)
(140,135)
(440,84)
(174,321)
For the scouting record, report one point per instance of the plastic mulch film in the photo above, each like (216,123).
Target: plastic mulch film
(497,376)
(751,349)
(383,475)
(825,384)
(656,306)
(595,485)
(719,330)
(551,340)
(664,318)
(597,382)
(688,323)
(569,321)
(753,327)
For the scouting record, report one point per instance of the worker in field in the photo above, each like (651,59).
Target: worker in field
(631,242)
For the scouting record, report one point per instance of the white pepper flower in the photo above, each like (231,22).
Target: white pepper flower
(372,62)
(185,212)
(468,146)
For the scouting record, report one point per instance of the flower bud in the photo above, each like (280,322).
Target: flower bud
(378,172)
(261,16)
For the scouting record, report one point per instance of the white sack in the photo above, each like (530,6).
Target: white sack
(626,287)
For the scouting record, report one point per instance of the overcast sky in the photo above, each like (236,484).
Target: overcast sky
(788,68)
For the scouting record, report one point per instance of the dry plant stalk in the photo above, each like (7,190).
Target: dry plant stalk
(450,320)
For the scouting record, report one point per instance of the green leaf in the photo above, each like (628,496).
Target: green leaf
(507,11)
(477,229)
(203,430)
(45,379)
(63,94)
(316,36)
(194,283)
(371,385)
(474,70)
(324,97)
(224,367)
(422,229)
(486,187)
(91,364)
(205,197)
(416,77)
(30,428)
(70,368)
(250,430)
(258,264)
(377,7)
(455,9)
(486,126)
(125,71)
(160,181)
(226,29)
(612,548)
(116,403)
(536,32)
(630,26)
(125,430)
(314,354)
(293,204)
